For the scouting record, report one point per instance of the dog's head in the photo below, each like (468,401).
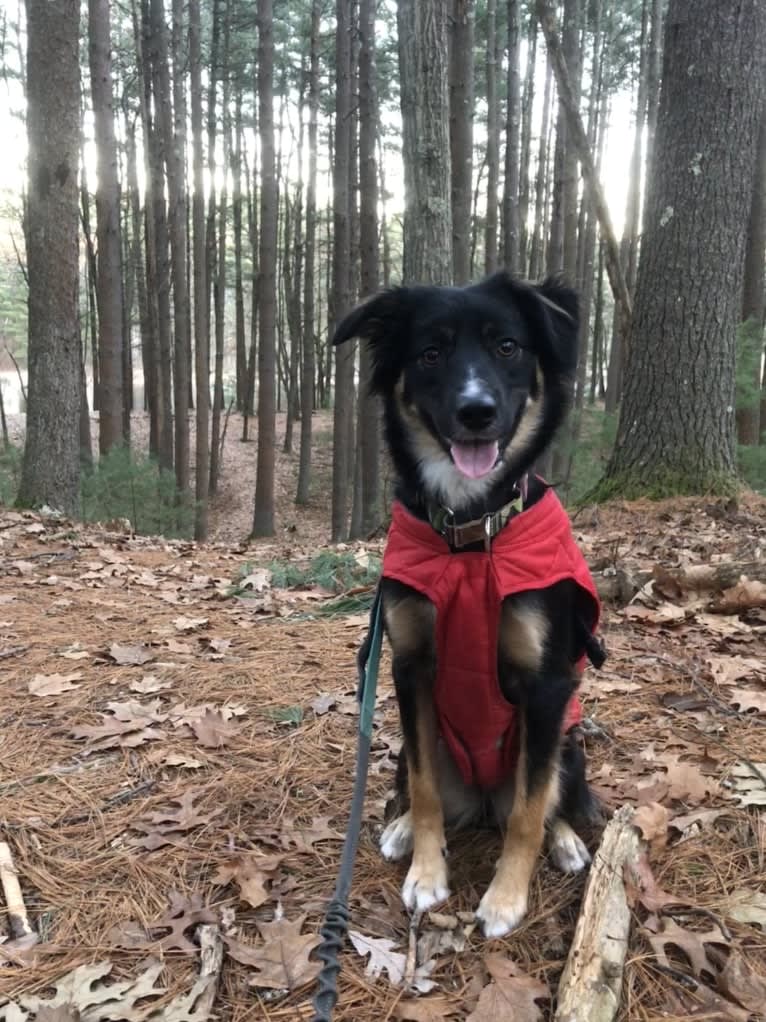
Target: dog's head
(475,380)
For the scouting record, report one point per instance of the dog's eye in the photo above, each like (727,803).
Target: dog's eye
(430,357)
(507,348)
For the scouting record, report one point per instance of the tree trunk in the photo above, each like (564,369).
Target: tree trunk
(538,235)
(51,465)
(263,515)
(341,298)
(493,140)
(676,432)
(136,259)
(201,335)
(461,134)
(525,164)
(511,228)
(309,326)
(425,117)
(653,84)
(580,141)
(570,48)
(368,417)
(109,275)
(240,345)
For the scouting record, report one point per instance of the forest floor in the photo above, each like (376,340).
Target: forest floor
(177,746)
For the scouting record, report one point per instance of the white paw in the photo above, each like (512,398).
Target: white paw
(500,912)
(426,885)
(396,839)
(568,851)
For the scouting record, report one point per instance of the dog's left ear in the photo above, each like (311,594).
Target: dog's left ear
(552,311)
(382,321)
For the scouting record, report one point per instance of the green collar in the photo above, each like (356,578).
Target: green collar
(479,530)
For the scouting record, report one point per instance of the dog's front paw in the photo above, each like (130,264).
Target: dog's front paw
(426,884)
(568,851)
(396,839)
(502,908)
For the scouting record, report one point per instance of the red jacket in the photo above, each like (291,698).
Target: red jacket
(534,550)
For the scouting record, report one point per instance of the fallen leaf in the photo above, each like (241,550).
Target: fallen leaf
(746,906)
(84,991)
(742,984)
(74,653)
(257,581)
(182,914)
(747,699)
(726,670)
(189,624)
(510,995)
(303,838)
(699,818)
(641,887)
(664,933)
(53,684)
(250,873)
(745,594)
(384,959)
(212,730)
(687,782)
(425,1009)
(178,759)
(282,962)
(750,787)
(186,817)
(652,820)
(130,655)
(149,683)
(665,614)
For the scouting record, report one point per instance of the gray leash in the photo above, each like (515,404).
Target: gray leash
(335,923)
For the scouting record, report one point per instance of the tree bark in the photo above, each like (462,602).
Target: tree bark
(525,164)
(51,465)
(676,432)
(263,515)
(493,140)
(341,274)
(538,243)
(461,134)
(511,204)
(309,327)
(201,335)
(240,344)
(425,117)
(109,258)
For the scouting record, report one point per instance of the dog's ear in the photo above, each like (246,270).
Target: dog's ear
(552,312)
(383,322)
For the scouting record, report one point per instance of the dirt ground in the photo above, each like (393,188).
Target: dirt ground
(177,755)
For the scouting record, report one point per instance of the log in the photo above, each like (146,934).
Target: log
(18,921)
(620,585)
(591,983)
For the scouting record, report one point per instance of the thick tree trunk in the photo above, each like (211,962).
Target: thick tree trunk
(749,421)
(653,83)
(51,465)
(263,515)
(309,326)
(425,116)
(341,274)
(511,227)
(201,335)
(461,133)
(676,432)
(240,344)
(109,266)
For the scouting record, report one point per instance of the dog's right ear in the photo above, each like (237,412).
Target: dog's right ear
(382,321)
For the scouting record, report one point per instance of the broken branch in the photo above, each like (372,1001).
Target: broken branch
(18,921)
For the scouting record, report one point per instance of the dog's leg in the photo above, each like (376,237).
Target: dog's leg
(410,625)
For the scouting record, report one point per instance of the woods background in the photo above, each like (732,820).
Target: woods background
(209,186)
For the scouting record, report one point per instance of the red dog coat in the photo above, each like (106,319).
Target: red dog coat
(534,550)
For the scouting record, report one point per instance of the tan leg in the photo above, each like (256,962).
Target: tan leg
(505,903)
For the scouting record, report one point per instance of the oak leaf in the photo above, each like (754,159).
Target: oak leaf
(53,684)
(212,730)
(250,873)
(511,994)
(425,1009)
(130,655)
(282,962)
(383,958)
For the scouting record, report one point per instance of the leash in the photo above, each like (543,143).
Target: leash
(335,923)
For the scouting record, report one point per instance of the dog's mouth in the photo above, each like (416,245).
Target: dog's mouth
(476,458)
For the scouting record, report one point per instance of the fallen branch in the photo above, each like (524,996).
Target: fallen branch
(710,576)
(591,983)
(18,921)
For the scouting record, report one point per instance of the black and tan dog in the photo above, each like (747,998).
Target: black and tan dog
(487,604)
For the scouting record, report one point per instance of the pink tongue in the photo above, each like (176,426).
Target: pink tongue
(474,460)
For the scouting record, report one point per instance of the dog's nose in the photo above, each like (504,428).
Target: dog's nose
(477,412)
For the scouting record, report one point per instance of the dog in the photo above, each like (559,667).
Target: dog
(485,646)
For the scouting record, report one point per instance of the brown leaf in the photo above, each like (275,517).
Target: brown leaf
(212,730)
(185,818)
(746,906)
(53,684)
(182,914)
(666,614)
(425,1009)
(383,958)
(251,873)
(652,820)
(664,933)
(282,962)
(510,995)
(84,991)
(140,714)
(63,1013)
(687,782)
(641,887)
(700,817)
(745,594)
(303,838)
(747,699)
(130,655)
(728,669)
(742,984)
(148,684)
(749,786)
(189,624)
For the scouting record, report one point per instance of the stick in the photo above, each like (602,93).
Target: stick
(411,962)
(18,922)
(591,983)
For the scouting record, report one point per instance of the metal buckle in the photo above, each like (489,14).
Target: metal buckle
(488,534)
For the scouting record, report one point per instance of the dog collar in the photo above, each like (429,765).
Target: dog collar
(478,530)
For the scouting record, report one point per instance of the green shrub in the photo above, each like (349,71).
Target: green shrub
(127,485)
(752,466)
(336,571)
